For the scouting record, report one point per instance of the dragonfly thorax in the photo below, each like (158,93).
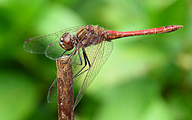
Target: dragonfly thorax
(66,42)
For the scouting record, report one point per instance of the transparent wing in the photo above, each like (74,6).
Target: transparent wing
(39,44)
(97,54)
(54,51)
(52,93)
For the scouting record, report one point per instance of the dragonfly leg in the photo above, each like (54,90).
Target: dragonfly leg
(86,57)
(74,51)
(86,61)
(79,58)
(62,54)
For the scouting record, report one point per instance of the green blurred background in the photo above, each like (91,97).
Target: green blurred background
(145,78)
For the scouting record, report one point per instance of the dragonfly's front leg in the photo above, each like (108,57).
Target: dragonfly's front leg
(86,61)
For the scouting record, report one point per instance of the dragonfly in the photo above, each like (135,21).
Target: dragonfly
(88,46)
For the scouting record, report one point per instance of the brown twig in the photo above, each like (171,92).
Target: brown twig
(65,88)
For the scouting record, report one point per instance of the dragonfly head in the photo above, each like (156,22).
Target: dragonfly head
(66,42)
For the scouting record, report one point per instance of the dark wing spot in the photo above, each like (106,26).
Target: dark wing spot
(50,44)
(27,40)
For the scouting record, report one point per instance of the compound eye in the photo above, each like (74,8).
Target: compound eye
(66,42)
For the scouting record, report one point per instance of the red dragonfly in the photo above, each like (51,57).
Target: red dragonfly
(88,46)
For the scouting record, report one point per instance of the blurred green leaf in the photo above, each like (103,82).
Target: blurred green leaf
(18,96)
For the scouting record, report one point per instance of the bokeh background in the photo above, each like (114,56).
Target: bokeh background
(145,78)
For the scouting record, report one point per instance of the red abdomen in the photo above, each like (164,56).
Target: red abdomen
(115,34)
